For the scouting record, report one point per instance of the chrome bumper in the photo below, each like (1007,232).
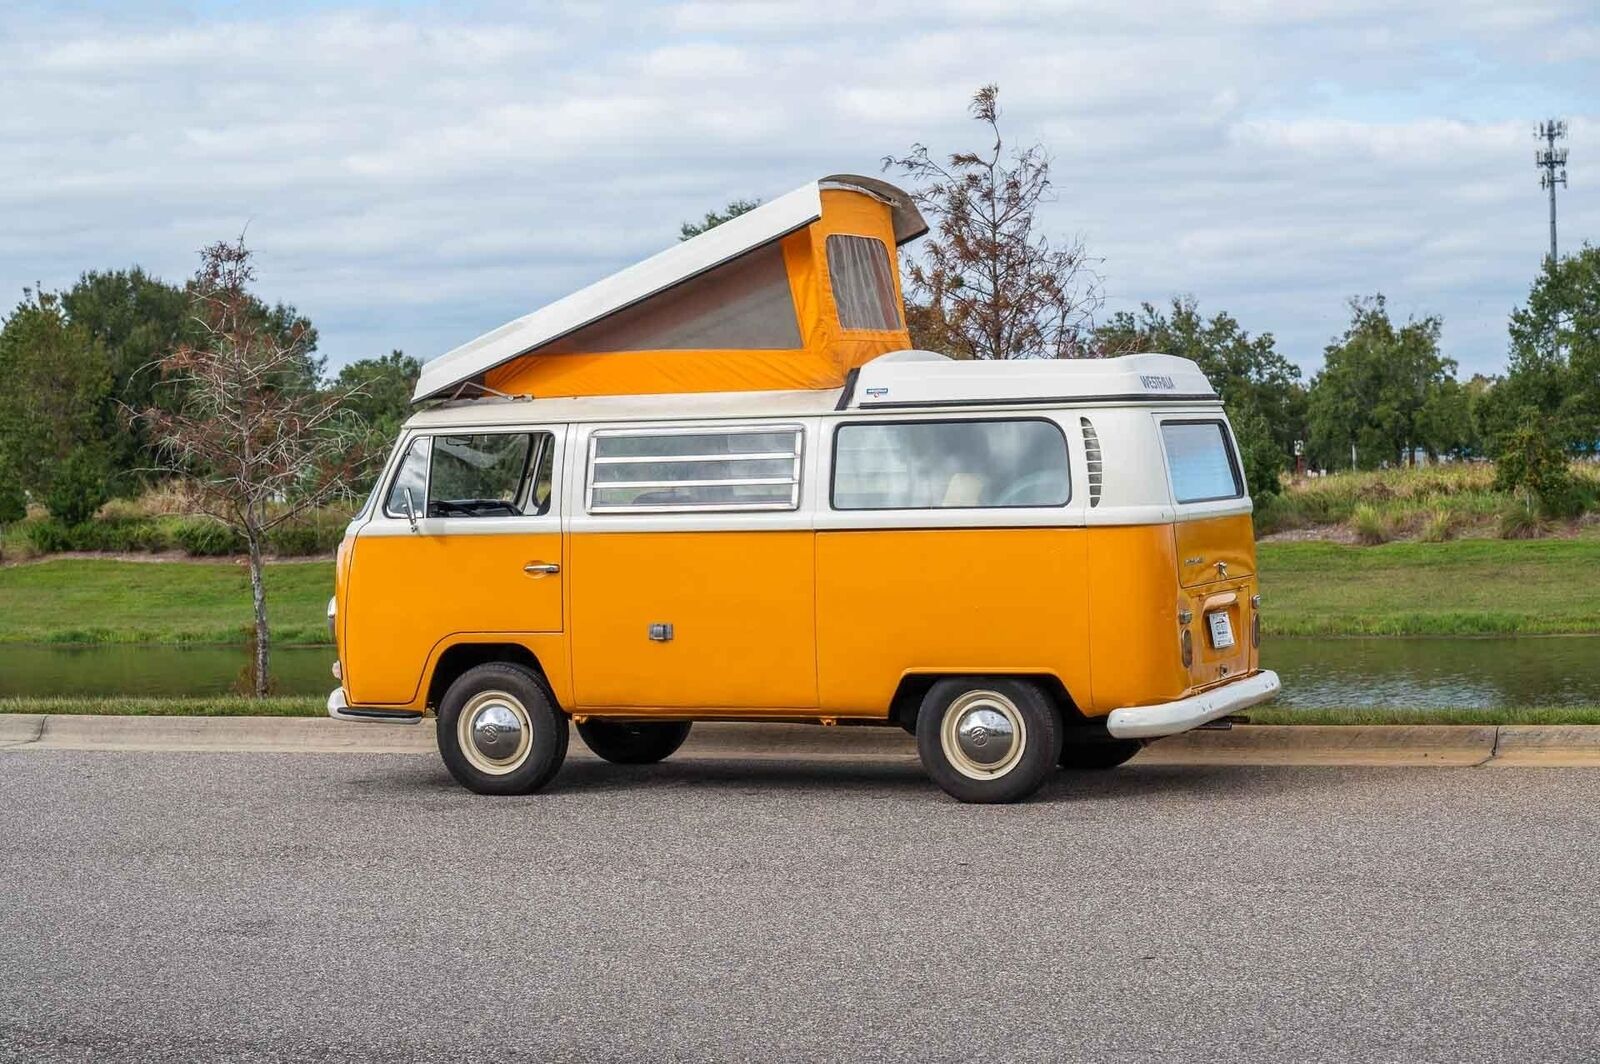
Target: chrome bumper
(1169,718)
(339,708)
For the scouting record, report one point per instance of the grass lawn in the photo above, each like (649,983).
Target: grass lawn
(1465,587)
(224,706)
(93,600)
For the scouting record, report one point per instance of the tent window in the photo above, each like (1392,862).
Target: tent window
(695,469)
(863,283)
(742,305)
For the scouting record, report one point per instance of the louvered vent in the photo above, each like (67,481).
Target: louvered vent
(1091,452)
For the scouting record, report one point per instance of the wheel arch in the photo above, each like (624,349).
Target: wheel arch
(457,658)
(914,687)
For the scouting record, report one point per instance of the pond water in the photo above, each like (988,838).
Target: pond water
(157,670)
(1424,673)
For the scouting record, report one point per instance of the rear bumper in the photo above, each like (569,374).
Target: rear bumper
(1169,718)
(339,708)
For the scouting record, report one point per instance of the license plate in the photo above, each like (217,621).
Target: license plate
(1221,630)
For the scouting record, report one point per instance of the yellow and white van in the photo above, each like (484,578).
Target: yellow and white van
(1026,564)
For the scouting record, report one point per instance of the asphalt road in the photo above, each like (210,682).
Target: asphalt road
(315,907)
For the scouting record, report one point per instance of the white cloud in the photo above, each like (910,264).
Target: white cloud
(411,178)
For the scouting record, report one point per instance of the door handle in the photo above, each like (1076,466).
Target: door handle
(541,568)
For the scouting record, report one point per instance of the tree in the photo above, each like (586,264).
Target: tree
(56,384)
(136,318)
(716,218)
(13,502)
(1259,386)
(989,283)
(1376,384)
(80,485)
(1532,464)
(1555,358)
(259,447)
(379,394)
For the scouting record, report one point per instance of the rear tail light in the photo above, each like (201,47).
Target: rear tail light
(1187,642)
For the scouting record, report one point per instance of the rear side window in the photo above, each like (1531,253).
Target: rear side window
(863,283)
(1200,461)
(936,465)
(695,469)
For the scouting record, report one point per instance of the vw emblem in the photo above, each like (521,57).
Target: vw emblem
(490,730)
(979,736)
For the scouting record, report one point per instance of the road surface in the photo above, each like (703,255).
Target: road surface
(266,907)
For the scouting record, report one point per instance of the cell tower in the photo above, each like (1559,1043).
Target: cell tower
(1552,162)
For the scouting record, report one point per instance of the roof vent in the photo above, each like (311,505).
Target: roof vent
(1091,453)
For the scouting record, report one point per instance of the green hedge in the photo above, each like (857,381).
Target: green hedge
(198,537)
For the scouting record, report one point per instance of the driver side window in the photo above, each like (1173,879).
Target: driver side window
(496,474)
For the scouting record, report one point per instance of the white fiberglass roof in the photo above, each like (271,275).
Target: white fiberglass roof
(904,379)
(753,229)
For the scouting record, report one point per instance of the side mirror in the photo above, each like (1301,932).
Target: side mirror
(411,510)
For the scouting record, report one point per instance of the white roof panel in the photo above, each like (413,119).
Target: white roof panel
(756,228)
(923,378)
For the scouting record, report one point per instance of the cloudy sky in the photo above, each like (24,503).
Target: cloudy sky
(412,175)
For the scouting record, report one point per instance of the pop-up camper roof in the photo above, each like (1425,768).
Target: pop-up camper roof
(793,294)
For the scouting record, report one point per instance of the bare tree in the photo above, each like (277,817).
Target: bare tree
(989,284)
(258,441)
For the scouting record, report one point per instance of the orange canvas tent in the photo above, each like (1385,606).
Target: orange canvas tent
(791,295)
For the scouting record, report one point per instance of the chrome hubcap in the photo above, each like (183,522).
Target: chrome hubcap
(494,732)
(982,735)
(985,735)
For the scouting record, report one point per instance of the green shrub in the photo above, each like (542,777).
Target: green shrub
(79,486)
(1532,461)
(1520,517)
(48,536)
(1440,525)
(205,537)
(1371,525)
(315,534)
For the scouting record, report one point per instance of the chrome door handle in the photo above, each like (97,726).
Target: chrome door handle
(540,568)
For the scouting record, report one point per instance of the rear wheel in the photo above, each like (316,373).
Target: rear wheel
(634,744)
(500,732)
(1094,757)
(988,740)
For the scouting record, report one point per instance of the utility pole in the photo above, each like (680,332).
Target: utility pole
(1552,161)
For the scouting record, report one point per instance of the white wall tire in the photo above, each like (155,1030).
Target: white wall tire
(988,740)
(500,732)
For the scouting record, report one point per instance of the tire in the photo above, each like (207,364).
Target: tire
(1098,756)
(962,765)
(642,743)
(521,736)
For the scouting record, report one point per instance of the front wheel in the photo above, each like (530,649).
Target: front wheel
(988,740)
(500,732)
(643,743)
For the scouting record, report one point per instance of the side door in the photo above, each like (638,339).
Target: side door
(466,538)
(693,569)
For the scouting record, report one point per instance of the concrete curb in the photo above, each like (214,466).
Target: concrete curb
(1458,745)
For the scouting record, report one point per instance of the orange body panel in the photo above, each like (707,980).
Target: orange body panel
(1135,658)
(740,606)
(948,600)
(795,622)
(1202,544)
(410,595)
